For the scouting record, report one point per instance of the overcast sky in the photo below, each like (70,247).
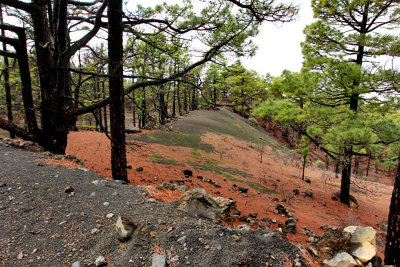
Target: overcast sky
(279,44)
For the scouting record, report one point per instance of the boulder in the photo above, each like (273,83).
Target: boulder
(364,251)
(198,201)
(225,205)
(363,234)
(124,228)
(342,259)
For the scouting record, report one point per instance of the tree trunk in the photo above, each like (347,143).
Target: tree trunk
(105,110)
(7,86)
(368,166)
(54,125)
(392,249)
(304,167)
(346,175)
(117,108)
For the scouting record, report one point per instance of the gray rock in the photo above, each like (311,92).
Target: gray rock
(182,240)
(151,200)
(158,260)
(198,201)
(76,264)
(20,256)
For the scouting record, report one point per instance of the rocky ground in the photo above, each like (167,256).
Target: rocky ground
(55,216)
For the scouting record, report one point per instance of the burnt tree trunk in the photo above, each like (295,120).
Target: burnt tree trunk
(7,87)
(117,116)
(392,249)
(346,175)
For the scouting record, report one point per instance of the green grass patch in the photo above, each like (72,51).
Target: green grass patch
(332,184)
(213,167)
(196,154)
(230,174)
(176,139)
(156,158)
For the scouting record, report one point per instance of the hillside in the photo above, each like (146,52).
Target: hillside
(224,150)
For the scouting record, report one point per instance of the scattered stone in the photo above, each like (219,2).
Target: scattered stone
(253,214)
(100,261)
(308,193)
(341,259)
(109,215)
(326,227)
(244,227)
(188,173)
(308,180)
(20,256)
(76,264)
(69,189)
(93,194)
(226,205)
(158,260)
(236,238)
(94,231)
(139,169)
(106,204)
(243,190)
(291,226)
(182,240)
(124,228)
(296,191)
(151,200)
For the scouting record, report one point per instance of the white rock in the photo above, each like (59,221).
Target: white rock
(365,252)
(106,204)
(109,216)
(342,259)
(350,229)
(76,264)
(244,227)
(20,255)
(100,260)
(363,234)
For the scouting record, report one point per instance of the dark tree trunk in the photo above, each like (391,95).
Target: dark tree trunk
(54,125)
(368,166)
(194,100)
(304,167)
(185,105)
(144,108)
(105,109)
(133,110)
(163,108)
(392,249)
(346,175)
(356,165)
(117,116)
(6,73)
(173,103)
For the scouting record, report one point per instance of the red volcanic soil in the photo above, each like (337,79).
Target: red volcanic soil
(277,172)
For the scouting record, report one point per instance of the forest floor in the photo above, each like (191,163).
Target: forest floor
(225,148)
(224,152)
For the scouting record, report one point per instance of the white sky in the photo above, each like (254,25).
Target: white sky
(278,44)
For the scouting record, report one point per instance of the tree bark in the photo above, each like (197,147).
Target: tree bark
(392,249)
(346,175)
(117,108)
(7,86)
